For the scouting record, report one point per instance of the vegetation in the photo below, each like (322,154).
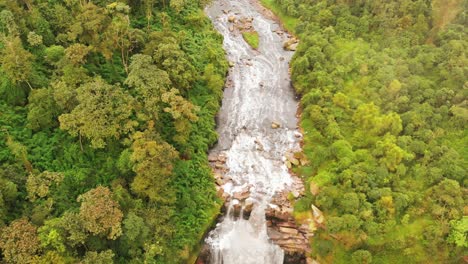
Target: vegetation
(106,115)
(289,22)
(251,38)
(383,86)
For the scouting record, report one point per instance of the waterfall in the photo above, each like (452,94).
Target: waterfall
(258,96)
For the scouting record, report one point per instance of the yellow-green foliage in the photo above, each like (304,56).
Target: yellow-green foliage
(384,127)
(251,38)
(289,22)
(97,101)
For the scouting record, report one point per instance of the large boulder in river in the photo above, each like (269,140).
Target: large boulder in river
(275,125)
(291,44)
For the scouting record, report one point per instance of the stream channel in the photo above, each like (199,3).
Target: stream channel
(257,125)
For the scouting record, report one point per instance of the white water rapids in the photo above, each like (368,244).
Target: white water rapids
(259,94)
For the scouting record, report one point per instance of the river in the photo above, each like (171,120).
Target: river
(257,126)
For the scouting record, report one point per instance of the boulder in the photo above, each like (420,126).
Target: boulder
(242,195)
(318,215)
(222,158)
(248,205)
(291,44)
(212,157)
(292,47)
(232,19)
(259,145)
(289,231)
(236,206)
(275,125)
(220,166)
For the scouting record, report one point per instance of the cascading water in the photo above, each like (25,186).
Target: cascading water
(259,95)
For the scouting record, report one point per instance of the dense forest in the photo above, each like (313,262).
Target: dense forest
(384,89)
(106,115)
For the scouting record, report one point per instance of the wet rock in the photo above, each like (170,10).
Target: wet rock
(292,47)
(291,44)
(248,205)
(259,145)
(279,32)
(213,157)
(286,224)
(248,63)
(281,58)
(222,158)
(318,215)
(219,191)
(220,166)
(231,28)
(219,181)
(236,206)
(275,125)
(242,195)
(285,214)
(232,19)
(295,194)
(273,234)
(287,230)
(297,134)
(225,11)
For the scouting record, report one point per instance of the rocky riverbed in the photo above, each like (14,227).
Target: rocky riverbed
(258,139)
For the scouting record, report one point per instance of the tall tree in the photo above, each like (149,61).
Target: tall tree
(100,213)
(16,61)
(153,162)
(104,111)
(19,242)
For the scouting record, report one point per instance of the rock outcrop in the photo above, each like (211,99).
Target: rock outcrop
(282,229)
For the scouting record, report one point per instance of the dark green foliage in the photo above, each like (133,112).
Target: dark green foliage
(383,87)
(71,106)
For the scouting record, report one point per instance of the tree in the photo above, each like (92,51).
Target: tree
(153,87)
(100,213)
(104,111)
(16,61)
(19,241)
(120,32)
(149,82)
(7,23)
(167,54)
(90,22)
(183,113)
(446,200)
(76,53)
(153,162)
(103,257)
(362,257)
(38,184)
(43,111)
(459,232)
(63,233)
(20,152)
